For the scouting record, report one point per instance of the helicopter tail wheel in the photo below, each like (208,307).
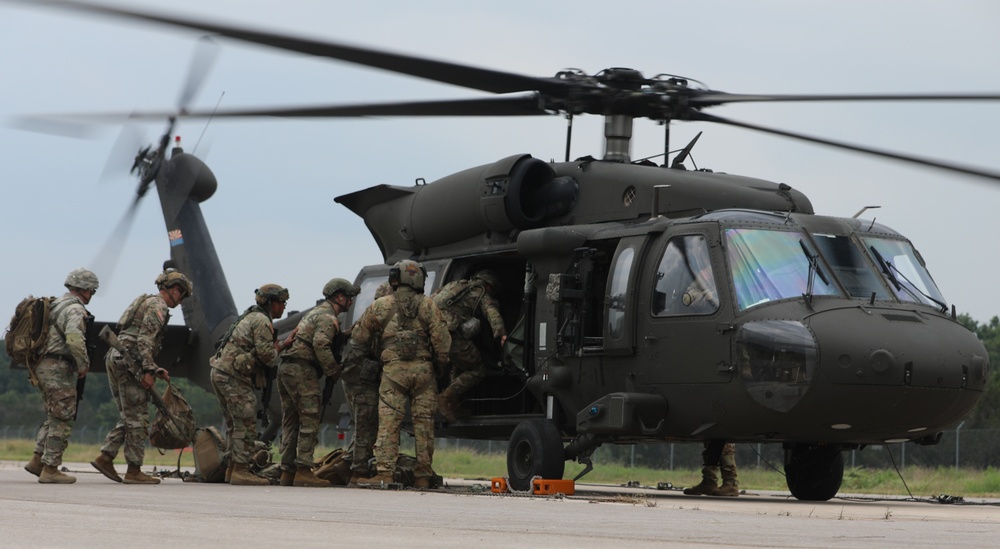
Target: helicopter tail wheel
(814,472)
(535,450)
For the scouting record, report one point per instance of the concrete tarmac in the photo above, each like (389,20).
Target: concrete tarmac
(96,512)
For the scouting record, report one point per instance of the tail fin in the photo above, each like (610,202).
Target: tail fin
(183,183)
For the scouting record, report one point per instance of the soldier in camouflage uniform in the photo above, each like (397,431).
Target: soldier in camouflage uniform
(717,455)
(310,357)
(141,330)
(248,349)
(412,333)
(461,302)
(64,361)
(361,376)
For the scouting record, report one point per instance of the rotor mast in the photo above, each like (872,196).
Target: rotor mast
(618,125)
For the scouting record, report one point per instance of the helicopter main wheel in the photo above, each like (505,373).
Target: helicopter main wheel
(535,450)
(814,472)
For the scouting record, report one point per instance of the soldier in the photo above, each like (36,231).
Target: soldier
(361,376)
(311,356)
(141,330)
(412,331)
(64,362)
(717,455)
(248,349)
(460,302)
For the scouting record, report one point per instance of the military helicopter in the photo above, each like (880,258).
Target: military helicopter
(648,303)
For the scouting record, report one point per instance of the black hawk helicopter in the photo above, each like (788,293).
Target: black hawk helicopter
(649,303)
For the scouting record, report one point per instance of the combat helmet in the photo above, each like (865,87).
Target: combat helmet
(270,292)
(340,285)
(486,276)
(172,277)
(408,273)
(82,279)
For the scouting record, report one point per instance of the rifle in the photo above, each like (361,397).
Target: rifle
(327,395)
(337,347)
(270,372)
(112,340)
(81,384)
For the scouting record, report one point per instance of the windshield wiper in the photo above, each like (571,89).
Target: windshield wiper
(891,271)
(814,271)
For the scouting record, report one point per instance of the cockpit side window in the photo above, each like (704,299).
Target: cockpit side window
(685,284)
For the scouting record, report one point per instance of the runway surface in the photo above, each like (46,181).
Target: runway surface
(96,512)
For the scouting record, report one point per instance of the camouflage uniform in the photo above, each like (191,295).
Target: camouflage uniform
(248,351)
(65,357)
(310,356)
(459,302)
(412,332)
(142,333)
(361,388)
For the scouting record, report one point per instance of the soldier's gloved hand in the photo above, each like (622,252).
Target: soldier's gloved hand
(163,374)
(147,380)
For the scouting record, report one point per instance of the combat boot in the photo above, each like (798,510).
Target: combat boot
(287,478)
(229,471)
(51,475)
(134,475)
(353,483)
(728,489)
(243,477)
(447,403)
(422,483)
(304,477)
(106,465)
(35,465)
(377,480)
(705,488)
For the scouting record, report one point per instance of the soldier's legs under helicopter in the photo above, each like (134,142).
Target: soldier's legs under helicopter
(467,371)
(717,455)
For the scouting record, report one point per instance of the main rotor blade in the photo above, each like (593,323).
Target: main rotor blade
(700,99)
(993,176)
(439,71)
(205,53)
(524,105)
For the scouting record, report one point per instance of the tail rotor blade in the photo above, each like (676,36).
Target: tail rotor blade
(108,257)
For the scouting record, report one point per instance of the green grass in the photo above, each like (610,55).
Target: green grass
(466,464)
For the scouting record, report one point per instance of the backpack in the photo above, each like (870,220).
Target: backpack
(29,332)
(176,431)
(210,459)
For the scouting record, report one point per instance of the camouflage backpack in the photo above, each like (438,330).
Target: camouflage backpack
(29,332)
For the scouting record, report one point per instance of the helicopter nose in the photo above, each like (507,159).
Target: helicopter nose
(898,348)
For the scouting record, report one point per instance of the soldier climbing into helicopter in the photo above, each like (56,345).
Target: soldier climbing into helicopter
(461,303)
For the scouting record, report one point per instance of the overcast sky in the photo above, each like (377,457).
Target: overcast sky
(273,218)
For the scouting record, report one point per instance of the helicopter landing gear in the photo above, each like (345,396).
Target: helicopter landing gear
(814,472)
(535,450)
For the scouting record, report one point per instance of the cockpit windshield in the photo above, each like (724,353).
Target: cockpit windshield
(770,265)
(904,271)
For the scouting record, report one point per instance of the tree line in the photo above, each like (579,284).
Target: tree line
(21,404)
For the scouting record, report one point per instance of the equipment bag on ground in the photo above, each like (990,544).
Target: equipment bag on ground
(176,431)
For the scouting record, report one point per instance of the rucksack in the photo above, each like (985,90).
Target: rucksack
(210,459)
(176,431)
(29,332)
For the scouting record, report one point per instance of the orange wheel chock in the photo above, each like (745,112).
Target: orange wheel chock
(499,485)
(548,487)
